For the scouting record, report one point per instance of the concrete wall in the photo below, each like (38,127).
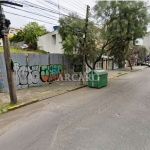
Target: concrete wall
(38,69)
(3,75)
(33,69)
(51,43)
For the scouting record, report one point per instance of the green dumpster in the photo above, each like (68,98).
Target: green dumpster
(97,78)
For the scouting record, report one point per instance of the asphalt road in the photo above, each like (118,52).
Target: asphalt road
(116,117)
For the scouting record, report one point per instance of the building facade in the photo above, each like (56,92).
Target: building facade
(51,43)
(146,41)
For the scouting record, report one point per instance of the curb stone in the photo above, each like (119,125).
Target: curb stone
(36,100)
(22,105)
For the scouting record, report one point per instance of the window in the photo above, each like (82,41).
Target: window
(54,39)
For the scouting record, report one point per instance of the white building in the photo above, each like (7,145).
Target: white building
(51,43)
(146,41)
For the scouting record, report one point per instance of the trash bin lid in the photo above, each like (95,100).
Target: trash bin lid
(98,72)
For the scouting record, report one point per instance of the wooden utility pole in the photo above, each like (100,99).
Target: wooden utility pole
(4,32)
(84,43)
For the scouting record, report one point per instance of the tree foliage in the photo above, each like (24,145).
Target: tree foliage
(29,34)
(122,22)
(72,30)
(119,23)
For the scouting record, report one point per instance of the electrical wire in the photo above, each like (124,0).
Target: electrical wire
(32,13)
(30,18)
(37,11)
(76,5)
(26,3)
(45,5)
(83,3)
(61,7)
(80,3)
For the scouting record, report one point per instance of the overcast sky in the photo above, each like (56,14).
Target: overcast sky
(78,6)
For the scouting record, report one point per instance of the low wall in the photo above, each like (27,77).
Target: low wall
(33,69)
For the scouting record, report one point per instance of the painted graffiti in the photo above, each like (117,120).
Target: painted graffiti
(1,77)
(31,75)
(26,75)
(50,72)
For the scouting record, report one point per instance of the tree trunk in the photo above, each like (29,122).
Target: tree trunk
(130,64)
(88,63)
(94,65)
(120,63)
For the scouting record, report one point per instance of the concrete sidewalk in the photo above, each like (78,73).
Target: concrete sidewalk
(34,94)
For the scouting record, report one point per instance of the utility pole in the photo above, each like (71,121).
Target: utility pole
(4,29)
(84,42)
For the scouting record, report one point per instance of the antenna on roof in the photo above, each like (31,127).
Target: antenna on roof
(10,2)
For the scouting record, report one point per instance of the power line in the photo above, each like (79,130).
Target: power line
(76,5)
(41,8)
(83,3)
(61,7)
(32,13)
(48,13)
(80,3)
(45,4)
(30,18)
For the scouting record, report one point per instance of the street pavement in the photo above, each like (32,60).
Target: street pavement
(116,117)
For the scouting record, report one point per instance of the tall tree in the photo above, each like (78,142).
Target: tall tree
(122,23)
(136,52)
(29,34)
(119,24)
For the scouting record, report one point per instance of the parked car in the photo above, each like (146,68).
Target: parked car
(24,46)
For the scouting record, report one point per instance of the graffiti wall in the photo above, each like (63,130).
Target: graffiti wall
(33,69)
(50,72)
(26,75)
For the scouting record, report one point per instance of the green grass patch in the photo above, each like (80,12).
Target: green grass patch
(15,50)
(5,107)
(120,73)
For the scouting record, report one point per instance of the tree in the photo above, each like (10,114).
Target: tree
(29,34)
(122,23)
(19,37)
(136,52)
(119,24)
(71,31)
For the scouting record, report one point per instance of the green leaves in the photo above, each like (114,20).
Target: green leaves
(72,30)
(122,23)
(29,34)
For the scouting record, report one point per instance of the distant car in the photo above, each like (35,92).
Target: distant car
(24,46)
